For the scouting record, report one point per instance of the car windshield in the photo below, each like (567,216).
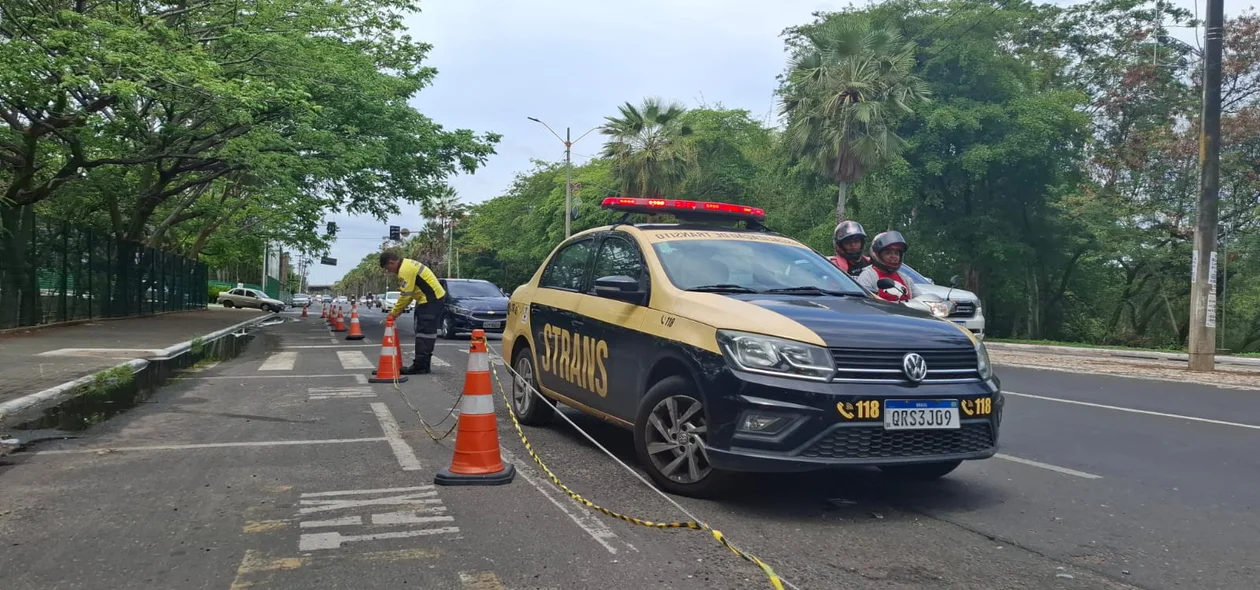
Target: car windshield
(914,275)
(473,289)
(393,294)
(750,266)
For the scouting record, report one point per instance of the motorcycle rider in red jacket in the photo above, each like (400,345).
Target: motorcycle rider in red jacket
(886,251)
(849,239)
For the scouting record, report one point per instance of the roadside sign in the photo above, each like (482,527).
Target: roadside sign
(405,232)
(328,261)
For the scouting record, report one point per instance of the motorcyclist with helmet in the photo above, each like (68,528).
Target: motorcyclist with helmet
(849,239)
(887,250)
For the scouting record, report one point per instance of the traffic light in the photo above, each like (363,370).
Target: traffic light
(395,233)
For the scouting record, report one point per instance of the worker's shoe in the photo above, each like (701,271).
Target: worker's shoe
(416,369)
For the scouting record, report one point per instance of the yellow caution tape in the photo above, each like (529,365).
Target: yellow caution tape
(690,524)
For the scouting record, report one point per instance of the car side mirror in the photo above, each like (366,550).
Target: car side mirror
(956,281)
(619,287)
(885,284)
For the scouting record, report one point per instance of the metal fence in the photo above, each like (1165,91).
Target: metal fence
(52,271)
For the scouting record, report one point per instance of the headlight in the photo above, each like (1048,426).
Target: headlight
(982,361)
(461,311)
(940,309)
(766,354)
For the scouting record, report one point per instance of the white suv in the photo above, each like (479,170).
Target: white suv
(967,310)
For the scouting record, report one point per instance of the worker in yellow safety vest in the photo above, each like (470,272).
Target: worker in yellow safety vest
(418,283)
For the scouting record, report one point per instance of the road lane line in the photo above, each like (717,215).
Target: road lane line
(333,540)
(1135,411)
(406,457)
(279,361)
(354,359)
(364,492)
(357,377)
(308,346)
(585,520)
(1063,470)
(344,521)
(224,445)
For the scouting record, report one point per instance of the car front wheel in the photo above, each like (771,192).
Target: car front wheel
(527,403)
(671,437)
(448,328)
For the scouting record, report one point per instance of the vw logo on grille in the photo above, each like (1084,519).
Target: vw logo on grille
(914,367)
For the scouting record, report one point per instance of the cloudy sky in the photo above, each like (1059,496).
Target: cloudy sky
(571,62)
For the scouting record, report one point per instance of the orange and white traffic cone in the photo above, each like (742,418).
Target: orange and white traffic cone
(341,322)
(323,312)
(477,460)
(397,345)
(389,367)
(356,331)
(304,309)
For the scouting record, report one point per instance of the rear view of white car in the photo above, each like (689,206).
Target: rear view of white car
(967,311)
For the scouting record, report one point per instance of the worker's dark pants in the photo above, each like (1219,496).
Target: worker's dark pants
(426,331)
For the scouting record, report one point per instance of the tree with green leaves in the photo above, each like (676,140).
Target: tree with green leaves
(842,94)
(648,146)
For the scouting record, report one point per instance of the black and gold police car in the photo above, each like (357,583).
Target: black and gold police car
(729,348)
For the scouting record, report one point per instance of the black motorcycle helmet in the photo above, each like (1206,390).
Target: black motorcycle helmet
(883,241)
(846,230)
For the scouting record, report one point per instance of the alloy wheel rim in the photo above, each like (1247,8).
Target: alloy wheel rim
(521,383)
(675,435)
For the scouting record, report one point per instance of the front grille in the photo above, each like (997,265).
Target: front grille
(963,309)
(873,442)
(485,316)
(858,364)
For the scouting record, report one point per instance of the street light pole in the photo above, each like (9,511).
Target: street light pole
(568,171)
(1203,279)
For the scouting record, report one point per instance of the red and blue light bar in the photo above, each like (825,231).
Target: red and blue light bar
(651,206)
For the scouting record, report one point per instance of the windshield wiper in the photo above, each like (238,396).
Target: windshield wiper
(723,288)
(808,289)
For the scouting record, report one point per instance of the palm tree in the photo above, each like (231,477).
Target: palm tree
(648,147)
(841,95)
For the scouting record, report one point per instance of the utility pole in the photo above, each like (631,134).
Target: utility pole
(1203,265)
(568,171)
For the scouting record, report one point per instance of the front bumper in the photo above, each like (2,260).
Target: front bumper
(492,322)
(818,435)
(974,324)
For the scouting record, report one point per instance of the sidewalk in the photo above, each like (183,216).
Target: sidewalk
(25,367)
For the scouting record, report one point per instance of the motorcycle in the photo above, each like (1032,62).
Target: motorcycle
(933,304)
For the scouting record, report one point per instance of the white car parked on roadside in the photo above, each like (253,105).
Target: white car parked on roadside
(967,310)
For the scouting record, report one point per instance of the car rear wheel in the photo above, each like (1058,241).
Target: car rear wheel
(670,437)
(921,471)
(448,328)
(228,304)
(527,403)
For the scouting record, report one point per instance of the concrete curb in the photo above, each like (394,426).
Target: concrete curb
(1150,355)
(60,393)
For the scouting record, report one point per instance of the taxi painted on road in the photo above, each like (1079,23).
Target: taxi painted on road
(737,349)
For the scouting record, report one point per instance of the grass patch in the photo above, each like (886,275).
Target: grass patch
(1081,345)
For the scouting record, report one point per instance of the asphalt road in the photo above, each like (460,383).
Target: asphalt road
(1103,482)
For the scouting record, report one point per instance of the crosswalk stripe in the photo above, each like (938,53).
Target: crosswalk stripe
(279,361)
(354,359)
(339,392)
(437,362)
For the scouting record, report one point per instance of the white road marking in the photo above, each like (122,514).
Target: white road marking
(280,361)
(1063,470)
(307,346)
(406,457)
(437,362)
(480,581)
(358,378)
(1135,411)
(406,517)
(364,492)
(585,520)
(344,521)
(313,506)
(262,443)
(339,392)
(333,540)
(354,359)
